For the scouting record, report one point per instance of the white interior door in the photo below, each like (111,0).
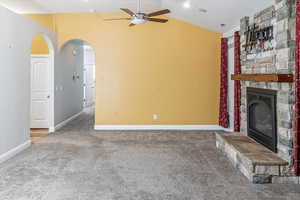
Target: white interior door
(89,76)
(40,91)
(89,85)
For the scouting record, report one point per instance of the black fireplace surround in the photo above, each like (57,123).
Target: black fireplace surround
(262,117)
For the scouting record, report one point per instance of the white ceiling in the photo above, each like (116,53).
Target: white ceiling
(219,11)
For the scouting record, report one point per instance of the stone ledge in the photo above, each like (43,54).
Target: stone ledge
(257,163)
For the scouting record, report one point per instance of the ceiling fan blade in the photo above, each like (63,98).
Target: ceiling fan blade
(158,20)
(161,12)
(131,24)
(129,12)
(115,19)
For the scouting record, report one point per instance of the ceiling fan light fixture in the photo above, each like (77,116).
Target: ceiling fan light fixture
(138,18)
(136,21)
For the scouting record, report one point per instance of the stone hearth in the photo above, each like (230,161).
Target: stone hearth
(255,161)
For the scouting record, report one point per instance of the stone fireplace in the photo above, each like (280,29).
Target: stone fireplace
(262,117)
(263,150)
(279,59)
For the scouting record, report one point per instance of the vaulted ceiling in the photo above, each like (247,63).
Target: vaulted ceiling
(209,14)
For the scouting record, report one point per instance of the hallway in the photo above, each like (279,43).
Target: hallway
(78,163)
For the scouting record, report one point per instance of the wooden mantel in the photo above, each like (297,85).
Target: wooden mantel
(289,78)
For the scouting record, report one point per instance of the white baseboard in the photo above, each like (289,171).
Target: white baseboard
(51,129)
(159,127)
(8,155)
(62,124)
(228,130)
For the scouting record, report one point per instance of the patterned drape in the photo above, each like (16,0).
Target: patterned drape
(223,112)
(237,84)
(297,93)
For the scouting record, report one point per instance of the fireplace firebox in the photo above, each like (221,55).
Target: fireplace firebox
(262,117)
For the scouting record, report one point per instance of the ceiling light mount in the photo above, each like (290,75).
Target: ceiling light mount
(202,10)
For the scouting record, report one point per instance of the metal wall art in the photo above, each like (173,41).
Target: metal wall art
(259,39)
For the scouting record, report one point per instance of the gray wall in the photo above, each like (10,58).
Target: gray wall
(16,36)
(68,92)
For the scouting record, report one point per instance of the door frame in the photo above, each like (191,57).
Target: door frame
(51,87)
(51,56)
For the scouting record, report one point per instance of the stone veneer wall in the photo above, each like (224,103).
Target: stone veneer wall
(280,60)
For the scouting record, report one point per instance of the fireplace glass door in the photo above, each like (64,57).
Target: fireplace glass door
(262,117)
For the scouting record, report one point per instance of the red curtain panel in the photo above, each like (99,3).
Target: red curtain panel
(237,84)
(223,115)
(297,93)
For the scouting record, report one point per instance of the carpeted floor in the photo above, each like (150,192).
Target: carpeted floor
(78,163)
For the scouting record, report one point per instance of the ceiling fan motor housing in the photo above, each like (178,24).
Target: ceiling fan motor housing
(139,18)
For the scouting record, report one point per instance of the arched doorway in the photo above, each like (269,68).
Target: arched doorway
(42,87)
(75,79)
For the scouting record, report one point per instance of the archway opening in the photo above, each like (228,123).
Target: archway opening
(42,81)
(76,80)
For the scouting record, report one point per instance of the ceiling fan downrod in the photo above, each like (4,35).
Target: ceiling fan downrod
(139,6)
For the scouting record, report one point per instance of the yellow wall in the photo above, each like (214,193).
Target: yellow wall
(46,20)
(39,44)
(168,69)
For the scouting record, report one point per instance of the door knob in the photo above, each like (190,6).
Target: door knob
(48,96)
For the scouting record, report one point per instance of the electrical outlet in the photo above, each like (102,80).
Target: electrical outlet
(155,117)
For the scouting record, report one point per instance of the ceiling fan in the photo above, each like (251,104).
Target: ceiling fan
(141,18)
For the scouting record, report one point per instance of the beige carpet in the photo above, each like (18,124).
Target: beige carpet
(78,163)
